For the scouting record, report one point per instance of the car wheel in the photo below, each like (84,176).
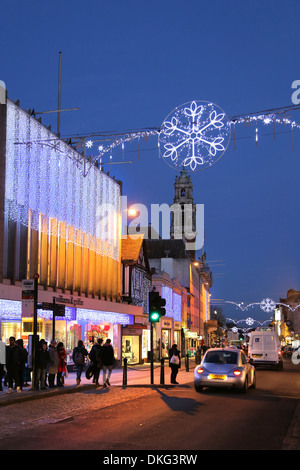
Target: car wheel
(254,381)
(198,388)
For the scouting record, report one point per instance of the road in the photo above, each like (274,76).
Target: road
(175,418)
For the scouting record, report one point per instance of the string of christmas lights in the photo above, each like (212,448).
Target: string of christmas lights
(46,189)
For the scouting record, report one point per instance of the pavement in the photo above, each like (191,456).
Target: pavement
(137,376)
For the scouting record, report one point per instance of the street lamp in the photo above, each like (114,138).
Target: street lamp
(197,265)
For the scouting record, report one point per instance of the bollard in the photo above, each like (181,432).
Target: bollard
(162,371)
(125,372)
(187,365)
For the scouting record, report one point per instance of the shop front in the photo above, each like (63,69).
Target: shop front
(78,323)
(191,341)
(135,343)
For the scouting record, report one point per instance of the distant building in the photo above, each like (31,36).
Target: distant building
(171,256)
(291,317)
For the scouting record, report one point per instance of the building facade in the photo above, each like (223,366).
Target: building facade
(64,225)
(136,284)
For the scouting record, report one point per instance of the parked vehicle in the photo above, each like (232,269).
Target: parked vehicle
(264,349)
(225,367)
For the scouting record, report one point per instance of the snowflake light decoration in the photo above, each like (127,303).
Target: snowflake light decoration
(195,135)
(268,305)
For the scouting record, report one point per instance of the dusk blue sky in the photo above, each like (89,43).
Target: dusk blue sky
(128,64)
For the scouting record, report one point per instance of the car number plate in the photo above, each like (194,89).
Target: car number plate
(257,355)
(216,376)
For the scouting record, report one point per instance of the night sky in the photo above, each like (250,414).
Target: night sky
(127,64)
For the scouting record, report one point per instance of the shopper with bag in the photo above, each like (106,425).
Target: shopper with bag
(79,357)
(174,362)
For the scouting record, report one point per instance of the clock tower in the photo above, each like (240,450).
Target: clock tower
(183,218)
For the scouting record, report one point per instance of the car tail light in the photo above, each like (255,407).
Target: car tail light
(237,372)
(200,370)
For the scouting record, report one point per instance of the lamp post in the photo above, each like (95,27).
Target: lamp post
(197,265)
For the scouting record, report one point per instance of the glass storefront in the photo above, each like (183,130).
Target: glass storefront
(131,349)
(165,342)
(87,325)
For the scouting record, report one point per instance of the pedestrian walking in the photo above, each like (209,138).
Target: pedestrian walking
(108,361)
(23,363)
(43,359)
(79,357)
(174,362)
(53,364)
(95,356)
(62,366)
(2,363)
(13,361)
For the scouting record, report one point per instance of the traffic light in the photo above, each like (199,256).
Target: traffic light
(156,304)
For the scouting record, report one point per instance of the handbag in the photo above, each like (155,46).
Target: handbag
(174,360)
(89,372)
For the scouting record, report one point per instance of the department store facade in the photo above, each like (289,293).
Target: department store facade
(64,224)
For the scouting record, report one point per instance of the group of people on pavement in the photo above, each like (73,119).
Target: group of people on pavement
(51,363)
(14,357)
(102,357)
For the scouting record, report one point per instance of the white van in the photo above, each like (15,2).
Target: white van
(264,349)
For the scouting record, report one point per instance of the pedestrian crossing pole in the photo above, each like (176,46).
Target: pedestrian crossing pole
(151,356)
(35,332)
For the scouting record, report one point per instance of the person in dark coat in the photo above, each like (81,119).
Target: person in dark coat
(95,356)
(79,356)
(13,363)
(43,359)
(174,362)
(24,359)
(108,361)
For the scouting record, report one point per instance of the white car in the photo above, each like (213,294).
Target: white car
(225,367)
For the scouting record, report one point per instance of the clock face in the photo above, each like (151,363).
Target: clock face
(194,136)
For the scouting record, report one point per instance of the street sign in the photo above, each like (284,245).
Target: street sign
(59,309)
(27,297)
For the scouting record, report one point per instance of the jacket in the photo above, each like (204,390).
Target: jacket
(176,352)
(13,356)
(43,359)
(96,355)
(108,355)
(54,361)
(62,360)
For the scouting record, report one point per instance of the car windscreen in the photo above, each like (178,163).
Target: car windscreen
(221,357)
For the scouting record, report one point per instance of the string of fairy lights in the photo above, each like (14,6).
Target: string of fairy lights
(267,305)
(195,135)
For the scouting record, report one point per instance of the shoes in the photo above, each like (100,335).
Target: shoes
(105,385)
(19,390)
(107,381)
(78,382)
(9,390)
